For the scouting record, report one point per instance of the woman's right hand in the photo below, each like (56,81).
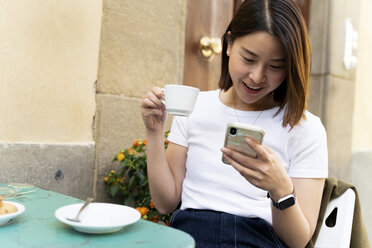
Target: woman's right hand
(153,110)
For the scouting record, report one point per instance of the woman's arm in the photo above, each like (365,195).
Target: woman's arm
(165,170)
(296,224)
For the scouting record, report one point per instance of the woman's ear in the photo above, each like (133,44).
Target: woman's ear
(229,43)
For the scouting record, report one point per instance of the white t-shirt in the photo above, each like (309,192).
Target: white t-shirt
(211,184)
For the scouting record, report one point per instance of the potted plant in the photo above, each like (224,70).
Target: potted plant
(130,185)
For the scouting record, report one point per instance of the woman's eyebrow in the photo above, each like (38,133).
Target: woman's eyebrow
(249,52)
(255,55)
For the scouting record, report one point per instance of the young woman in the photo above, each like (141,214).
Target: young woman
(269,201)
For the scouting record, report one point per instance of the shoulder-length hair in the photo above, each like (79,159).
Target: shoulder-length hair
(282,19)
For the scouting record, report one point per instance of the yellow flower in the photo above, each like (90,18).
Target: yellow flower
(112,172)
(106,179)
(120,156)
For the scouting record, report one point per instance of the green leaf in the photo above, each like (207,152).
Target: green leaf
(128,201)
(114,189)
(131,181)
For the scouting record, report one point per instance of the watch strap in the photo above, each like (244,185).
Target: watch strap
(284,202)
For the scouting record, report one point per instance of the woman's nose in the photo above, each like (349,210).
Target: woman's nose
(257,75)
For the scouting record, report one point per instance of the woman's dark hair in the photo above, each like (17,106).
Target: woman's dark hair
(281,19)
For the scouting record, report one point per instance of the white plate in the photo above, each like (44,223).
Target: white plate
(7,218)
(98,217)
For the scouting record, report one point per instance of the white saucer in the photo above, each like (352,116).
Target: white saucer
(7,218)
(98,217)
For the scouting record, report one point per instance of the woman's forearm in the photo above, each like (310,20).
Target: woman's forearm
(161,181)
(291,226)
(296,224)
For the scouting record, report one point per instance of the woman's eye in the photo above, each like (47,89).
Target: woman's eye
(249,60)
(276,67)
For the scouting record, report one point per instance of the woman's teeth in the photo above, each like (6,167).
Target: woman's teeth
(252,88)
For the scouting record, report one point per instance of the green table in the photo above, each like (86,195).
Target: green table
(37,227)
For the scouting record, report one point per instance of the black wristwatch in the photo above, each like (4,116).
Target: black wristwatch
(284,202)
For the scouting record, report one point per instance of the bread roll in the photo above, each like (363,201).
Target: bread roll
(6,208)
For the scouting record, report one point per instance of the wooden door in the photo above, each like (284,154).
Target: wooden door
(210,18)
(305,9)
(204,18)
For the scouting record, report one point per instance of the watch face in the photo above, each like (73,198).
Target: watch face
(286,203)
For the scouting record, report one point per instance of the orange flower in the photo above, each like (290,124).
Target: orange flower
(131,151)
(145,142)
(143,210)
(106,179)
(167,141)
(151,203)
(155,219)
(120,156)
(136,143)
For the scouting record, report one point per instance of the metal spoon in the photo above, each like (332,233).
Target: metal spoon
(76,219)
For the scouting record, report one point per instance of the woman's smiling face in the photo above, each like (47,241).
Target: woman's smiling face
(257,66)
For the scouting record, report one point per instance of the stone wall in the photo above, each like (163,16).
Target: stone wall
(362,132)
(63,168)
(142,46)
(341,97)
(332,91)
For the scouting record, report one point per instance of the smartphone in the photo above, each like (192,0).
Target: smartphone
(235,135)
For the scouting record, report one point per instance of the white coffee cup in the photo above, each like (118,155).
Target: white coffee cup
(180,99)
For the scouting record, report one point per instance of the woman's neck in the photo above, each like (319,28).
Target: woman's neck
(231,99)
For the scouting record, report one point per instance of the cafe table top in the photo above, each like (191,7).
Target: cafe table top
(38,227)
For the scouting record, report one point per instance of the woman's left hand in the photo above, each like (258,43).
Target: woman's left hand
(265,172)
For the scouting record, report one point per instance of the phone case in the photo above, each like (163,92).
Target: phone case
(236,141)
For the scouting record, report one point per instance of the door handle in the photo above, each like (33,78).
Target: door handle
(209,46)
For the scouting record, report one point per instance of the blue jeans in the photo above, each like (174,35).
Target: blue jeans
(212,229)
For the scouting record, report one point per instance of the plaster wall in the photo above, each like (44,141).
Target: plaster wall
(48,71)
(48,68)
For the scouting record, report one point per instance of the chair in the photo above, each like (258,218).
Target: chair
(337,223)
